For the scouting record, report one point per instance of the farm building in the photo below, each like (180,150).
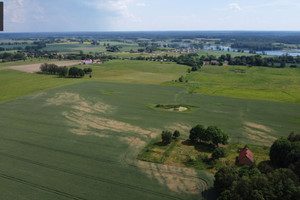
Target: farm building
(87,61)
(97,61)
(246,157)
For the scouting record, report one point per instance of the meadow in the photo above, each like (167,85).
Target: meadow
(272,84)
(64,138)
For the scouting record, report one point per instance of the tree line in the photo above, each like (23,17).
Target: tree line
(64,71)
(195,61)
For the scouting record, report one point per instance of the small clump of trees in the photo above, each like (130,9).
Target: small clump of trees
(211,134)
(167,136)
(73,72)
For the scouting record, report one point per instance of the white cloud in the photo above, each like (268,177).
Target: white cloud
(119,9)
(235,7)
(141,4)
(284,3)
(20,11)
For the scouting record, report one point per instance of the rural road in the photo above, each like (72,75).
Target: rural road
(32,68)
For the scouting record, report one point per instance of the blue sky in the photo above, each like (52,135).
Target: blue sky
(148,15)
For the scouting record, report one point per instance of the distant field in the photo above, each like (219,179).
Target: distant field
(219,53)
(16,84)
(77,141)
(282,85)
(137,71)
(26,62)
(88,47)
(32,68)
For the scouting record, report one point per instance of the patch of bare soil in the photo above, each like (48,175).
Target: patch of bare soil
(259,133)
(182,180)
(258,126)
(32,68)
(84,116)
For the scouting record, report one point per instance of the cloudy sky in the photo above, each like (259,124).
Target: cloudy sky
(147,15)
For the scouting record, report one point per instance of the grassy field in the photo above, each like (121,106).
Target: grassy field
(281,85)
(183,153)
(26,62)
(137,71)
(16,84)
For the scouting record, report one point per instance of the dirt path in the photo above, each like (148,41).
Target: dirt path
(31,68)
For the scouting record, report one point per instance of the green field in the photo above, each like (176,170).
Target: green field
(281,85)
(16,84)
(64,138)
(87,48)
(81,141)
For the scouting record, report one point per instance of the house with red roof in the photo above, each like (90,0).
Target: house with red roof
(87,61)
(246,157)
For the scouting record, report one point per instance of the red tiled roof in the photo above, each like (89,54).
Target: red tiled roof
(246,153)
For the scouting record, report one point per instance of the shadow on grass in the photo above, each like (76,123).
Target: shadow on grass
(199,146)
(210,194)
(160,144)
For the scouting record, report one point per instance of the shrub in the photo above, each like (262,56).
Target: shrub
(176,134)
(218,153)
(166,137)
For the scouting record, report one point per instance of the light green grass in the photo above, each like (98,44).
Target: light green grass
(282,85)
(26,62)
(137,71)
(16,84)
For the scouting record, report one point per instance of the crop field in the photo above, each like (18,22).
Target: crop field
(64,138)
(80,141)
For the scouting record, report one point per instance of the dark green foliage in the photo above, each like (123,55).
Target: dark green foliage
(211,134)
(265,182)
(218,153)
(63,71)
(7,57)
(279,151)
(197,133)
(181,78)
(217,135)
(87,70)
(249,183)
(225,177)
(293,137)
(49,68)
(265,167)
(166,137)
(176,134)
(76,72)
(113,48)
